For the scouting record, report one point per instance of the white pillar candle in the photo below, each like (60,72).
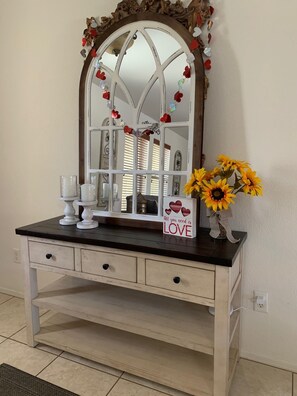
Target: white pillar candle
(68,186)
(87,193)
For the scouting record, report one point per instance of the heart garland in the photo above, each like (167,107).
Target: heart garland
(197,33)
(88,41)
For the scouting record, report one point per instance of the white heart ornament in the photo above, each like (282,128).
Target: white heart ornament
(197,31)
(207,51)
(190,58)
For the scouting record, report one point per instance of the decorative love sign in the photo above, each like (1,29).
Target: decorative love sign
(179,217)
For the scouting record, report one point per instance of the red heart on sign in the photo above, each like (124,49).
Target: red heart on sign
(194,45)
(178,96)
(185,212)
(106,95)
(166,118)
(128,130)
(115,114)
(175,206)
(100,75)
(168,211)
(207,64)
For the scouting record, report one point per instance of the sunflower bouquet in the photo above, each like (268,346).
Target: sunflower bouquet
(218,189)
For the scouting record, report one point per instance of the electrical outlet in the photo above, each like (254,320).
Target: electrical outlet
(260,301)
(16,255)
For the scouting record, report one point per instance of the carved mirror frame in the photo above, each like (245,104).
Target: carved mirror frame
(183,21)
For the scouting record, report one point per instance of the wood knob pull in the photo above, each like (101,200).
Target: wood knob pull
(48,256)
(105,266)
(176,279)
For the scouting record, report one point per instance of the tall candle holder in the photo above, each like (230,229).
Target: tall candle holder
(69,212)
(87,216)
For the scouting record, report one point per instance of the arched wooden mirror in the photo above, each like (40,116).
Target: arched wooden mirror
(133,119)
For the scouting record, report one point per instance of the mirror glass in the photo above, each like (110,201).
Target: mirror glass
(139,130)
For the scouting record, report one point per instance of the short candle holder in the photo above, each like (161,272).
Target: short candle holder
(69,212)
(87,216)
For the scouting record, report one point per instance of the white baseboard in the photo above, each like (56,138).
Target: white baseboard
(13,293)
(270,362)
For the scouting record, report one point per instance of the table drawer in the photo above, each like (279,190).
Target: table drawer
(180,278)
(52,255)
(110,265)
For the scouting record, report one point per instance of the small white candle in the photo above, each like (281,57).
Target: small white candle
(68,186)
(87,193)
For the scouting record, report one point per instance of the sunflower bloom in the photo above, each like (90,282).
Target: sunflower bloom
(213,173)
(228,163)
(217,195)
(196,181)
(251,183)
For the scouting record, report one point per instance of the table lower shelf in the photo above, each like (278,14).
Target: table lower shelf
(170,365)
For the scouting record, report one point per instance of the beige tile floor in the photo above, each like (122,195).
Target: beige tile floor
(83,376)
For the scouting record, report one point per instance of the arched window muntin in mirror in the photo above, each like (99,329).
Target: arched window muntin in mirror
(194,122)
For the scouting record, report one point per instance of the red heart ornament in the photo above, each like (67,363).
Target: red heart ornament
(166,118)
(187,72)
(83,41)
(168,211)
(178,96)
(194,45)
(106,95)
(93,32)
(185,212)
(93,53)
(175,206)
(211,10)
(199,20)
(115,114)
(128,130)
(148,132)
(207,64)
(101,75)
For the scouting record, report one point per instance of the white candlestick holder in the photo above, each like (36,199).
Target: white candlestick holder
(69,212)
(87,216)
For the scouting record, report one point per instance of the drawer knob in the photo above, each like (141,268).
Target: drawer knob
(105,266)
(48,256)
(176,279)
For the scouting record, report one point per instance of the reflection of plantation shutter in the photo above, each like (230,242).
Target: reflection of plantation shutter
(127,186)
(155,166)
(142,164)
(166,168)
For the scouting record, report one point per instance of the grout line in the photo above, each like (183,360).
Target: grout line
(46,366)
(148,386)
(11,297)
(108,393)
(269,365)
(22,328)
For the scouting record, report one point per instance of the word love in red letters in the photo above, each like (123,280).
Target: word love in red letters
(178,229)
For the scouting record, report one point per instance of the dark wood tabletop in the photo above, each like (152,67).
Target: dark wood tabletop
(203,248)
